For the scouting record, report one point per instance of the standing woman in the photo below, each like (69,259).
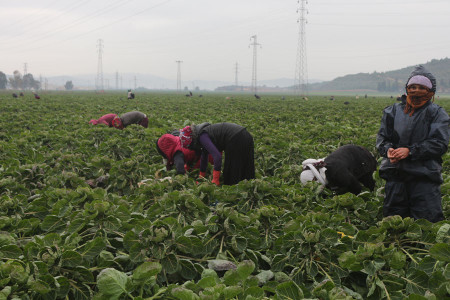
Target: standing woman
(234,140)
(413,136)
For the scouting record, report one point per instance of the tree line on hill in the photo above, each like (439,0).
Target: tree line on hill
(19,82)
(25,82)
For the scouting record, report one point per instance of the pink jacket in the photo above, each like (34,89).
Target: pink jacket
(106,119)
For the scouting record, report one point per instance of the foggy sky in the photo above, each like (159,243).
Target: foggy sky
(210,37)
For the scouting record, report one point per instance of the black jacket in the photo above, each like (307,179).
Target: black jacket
(425,134)
(348,167)
(220,134)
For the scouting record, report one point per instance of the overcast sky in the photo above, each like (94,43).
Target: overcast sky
(60,37)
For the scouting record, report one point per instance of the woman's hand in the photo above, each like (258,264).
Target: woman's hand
(395,155)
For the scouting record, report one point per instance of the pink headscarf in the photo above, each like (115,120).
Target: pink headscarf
(186,136)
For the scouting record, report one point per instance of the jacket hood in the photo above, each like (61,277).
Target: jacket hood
(421,70)
(169,144)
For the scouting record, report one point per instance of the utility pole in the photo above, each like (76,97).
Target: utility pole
(99,82)
(117,80)
(236,75)
(178,75)
(254,81)
(25,72)
(301,72)
(135,82)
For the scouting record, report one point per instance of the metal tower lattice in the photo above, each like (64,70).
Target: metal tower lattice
(301,71)
(236,75)
(255,47)
(100,86)
(178,75)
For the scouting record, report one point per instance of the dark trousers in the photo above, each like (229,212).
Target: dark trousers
(418,199)
(239,159)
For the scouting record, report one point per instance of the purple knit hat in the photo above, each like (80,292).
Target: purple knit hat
(420,79)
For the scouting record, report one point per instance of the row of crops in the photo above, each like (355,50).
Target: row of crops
(76,224)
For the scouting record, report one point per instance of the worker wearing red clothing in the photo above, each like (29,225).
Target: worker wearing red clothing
(106,120)
(169,146)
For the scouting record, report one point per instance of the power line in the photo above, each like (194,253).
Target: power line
(74,23)
(96,29)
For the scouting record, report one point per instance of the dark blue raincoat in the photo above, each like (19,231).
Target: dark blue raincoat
(413,184)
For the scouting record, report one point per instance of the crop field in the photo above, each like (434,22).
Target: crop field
(76,224)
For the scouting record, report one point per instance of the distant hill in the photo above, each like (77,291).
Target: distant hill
(391,81)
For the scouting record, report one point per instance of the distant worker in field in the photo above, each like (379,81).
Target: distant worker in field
(113,120)
(36,96)
(130,95)
(344,170)
(233,139)
(413,137)
(14,95)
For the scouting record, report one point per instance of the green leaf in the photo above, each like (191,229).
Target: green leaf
(398,260)
(64,287)
(265,276)
(239,244)
(112,283)
(93,248)
(81,292)
(146,270)
(170,263)
(231,292)
(52,223)
(188,270)
(182,293)
(40,287)
(207,282)
(71,258)
(443,233)
(245,268)
(289,291)
(231,277)
(328,236)
(255,292)
(348,260)
(416,282)
(279,261)
(5,293)
(10,251)
(440,252)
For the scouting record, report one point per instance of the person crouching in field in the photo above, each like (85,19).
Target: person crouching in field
(106,120)
(113,120)
(344,170)
(412,138)
(169,146)
(233,139)
(132,117)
